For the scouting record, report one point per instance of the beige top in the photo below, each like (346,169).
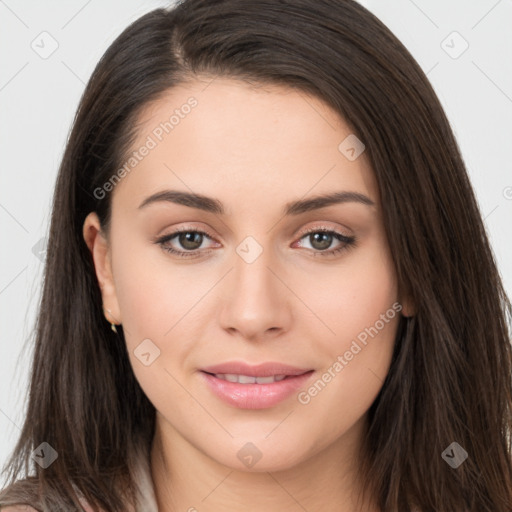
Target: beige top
(146,500)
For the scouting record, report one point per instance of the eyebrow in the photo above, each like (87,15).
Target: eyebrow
(212,205)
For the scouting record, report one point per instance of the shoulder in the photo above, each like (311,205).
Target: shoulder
(23,495)
(28,508)
(18,508)
(16,496)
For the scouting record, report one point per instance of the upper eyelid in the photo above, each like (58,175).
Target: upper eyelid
(321,228)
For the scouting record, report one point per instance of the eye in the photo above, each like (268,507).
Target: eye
(190,239)
(322,238)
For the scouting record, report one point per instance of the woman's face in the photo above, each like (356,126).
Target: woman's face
(260,282)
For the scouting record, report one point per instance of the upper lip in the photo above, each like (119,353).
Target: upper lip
(260,370)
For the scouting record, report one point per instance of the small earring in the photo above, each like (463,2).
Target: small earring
(112,325)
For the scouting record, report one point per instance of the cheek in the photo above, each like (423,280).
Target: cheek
(160,310)
(154,300)
(154,294)
(353,297)
(372,293)
(362,314)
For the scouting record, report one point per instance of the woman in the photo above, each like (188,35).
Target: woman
(268,284)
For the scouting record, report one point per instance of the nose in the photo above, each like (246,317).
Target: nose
(256,302)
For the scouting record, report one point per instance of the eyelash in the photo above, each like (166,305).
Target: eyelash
(348,242)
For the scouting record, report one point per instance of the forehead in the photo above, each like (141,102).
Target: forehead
(231,138)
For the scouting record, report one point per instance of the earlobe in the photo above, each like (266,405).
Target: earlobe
(100,251)
(407,302)
(408,307)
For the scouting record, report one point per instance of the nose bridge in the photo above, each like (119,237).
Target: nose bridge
(252,264)
(255,301)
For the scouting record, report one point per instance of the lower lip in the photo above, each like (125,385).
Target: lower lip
(255,396)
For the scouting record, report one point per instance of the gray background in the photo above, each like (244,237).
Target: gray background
(40,92)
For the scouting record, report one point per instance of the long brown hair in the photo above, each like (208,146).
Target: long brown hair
(450,376)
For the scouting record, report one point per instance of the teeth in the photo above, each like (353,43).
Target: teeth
(246,379)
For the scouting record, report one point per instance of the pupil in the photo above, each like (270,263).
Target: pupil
(323,244)
(187,240)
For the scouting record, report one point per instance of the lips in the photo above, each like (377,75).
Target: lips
(255,387)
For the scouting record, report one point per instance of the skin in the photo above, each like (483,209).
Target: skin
(254,149)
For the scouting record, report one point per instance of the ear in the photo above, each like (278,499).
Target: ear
(98,245)
(408,306)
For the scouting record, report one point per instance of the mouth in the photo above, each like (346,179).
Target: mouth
(255,391)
